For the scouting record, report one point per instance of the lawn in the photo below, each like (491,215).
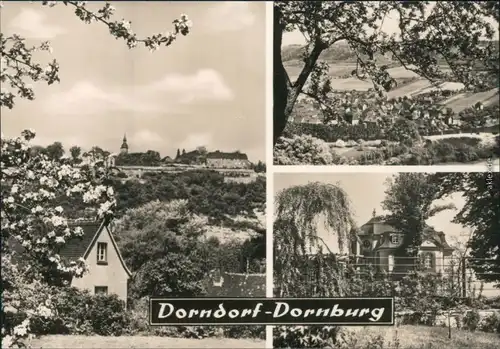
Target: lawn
(124,342)
(423,337)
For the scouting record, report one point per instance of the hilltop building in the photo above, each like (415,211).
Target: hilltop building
(124,147)
(234,160)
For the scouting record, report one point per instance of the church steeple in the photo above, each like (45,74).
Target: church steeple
(124,147)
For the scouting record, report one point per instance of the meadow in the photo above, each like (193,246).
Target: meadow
(126,342)
(413,337)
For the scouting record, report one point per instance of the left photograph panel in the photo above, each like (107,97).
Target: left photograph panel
(133,165)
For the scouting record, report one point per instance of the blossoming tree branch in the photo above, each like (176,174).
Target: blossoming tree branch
(33,223)
(18,67)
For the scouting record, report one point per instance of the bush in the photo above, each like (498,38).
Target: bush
(303,149)
(332,133)
(79,312)
(490,324)
(305,336)
(465,153)
(471,320)
(403,131)
(107,315)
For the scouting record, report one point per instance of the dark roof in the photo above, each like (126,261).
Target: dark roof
(230,156)
(76,247)
(376,219)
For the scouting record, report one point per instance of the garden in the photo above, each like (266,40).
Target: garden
(438,309)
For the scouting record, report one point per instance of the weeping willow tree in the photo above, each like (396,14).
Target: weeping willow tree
(299,209)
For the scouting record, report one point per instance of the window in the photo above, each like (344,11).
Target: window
(101,290)
(394,239)
(102,253)
(427,261)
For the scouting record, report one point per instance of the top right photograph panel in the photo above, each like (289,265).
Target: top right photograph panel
(386,83)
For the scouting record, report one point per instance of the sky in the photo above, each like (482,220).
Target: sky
(366,192)
(207,89)
(390,26)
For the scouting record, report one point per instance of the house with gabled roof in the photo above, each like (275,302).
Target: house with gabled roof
(376,242)
(107,273)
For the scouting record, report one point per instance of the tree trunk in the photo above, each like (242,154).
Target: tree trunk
(285,93)
(280,83)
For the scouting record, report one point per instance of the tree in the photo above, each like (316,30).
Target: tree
(183,152)
(202,150)
(178,155)
(75,152)
(34,228)
(161,242)
(480,213)
(297,211)
(439,42)
(55,151)
(18,66)
(410,199)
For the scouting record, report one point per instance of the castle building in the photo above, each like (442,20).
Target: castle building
(124,147)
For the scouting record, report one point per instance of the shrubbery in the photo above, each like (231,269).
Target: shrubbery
(290,151)
(79,312)
(303,149)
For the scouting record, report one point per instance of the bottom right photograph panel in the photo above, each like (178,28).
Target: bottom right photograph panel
(430,241)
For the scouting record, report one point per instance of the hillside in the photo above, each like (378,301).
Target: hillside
(340,52)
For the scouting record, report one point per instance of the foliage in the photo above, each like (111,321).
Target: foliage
(471,320)
(34,227)
(403,131)
(19,66)
(302,149)
(79,312)
(439,43)
(164,244)
(259,167)
(332,133)
(206,192)
(481,192)
(298,209)
(158,241)
(490,324)
(149,158)
(410,199)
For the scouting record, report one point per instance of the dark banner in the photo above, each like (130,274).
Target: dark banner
(271,311)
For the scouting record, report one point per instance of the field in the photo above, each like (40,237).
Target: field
(340,71)
(125,342)
(422,337)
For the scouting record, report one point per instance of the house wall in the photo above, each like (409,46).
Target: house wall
(227,163)
(403,264)
(112,275)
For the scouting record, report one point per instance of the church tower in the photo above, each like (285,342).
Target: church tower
(124,147)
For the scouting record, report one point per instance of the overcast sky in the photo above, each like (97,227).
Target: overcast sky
(390,26)
(207,89)
(366,192)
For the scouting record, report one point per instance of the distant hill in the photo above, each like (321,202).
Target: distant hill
(340,52)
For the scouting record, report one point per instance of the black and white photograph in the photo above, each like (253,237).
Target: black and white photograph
(430,240)
(133,165)
(386,83)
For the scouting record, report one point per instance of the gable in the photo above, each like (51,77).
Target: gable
(428,243)
(76,247)
(108,237)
